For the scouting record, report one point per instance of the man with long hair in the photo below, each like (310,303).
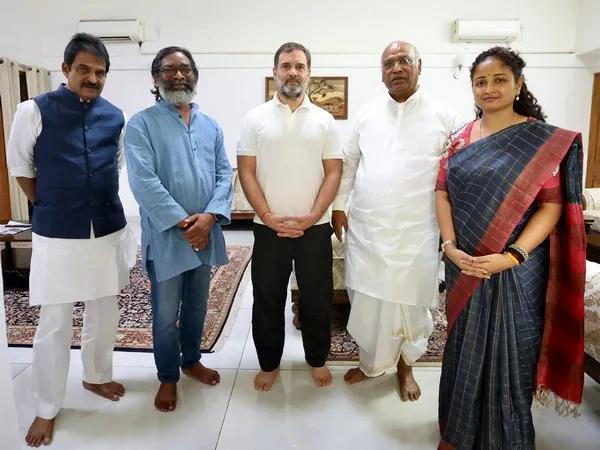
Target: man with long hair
(180,176)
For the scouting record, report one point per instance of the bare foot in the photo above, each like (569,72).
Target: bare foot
(409,389)
(203,374)
(354,375)
(263,381)
(321,376)
(112,390)
(40,432)
(166,397)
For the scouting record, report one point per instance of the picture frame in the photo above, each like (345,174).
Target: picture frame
(329,93)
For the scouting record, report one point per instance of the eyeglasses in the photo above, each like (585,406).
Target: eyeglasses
(170,72)
(402,61)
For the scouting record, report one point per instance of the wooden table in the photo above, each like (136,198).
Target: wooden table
(593,246)
(12,275)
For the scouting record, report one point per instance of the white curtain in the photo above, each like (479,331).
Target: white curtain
(38,82)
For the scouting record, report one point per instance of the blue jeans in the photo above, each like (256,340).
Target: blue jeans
(181,298)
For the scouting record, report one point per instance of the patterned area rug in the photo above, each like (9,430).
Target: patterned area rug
(135,327)
(344,349)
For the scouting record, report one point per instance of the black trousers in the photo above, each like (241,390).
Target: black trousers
(272,258)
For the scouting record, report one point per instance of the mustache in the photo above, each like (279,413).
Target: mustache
(91,86)
(170,84)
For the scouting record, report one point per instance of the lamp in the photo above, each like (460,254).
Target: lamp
(460,62)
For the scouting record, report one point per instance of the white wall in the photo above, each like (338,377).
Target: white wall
(233,42)
(587,29)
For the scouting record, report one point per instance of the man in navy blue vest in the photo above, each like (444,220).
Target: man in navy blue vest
(65,150)
(180,175)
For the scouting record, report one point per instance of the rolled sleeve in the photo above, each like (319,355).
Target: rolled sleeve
(220,203)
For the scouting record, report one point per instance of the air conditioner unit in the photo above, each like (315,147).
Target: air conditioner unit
(486,30)
(114,30)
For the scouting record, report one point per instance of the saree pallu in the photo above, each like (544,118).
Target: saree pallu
(520,333)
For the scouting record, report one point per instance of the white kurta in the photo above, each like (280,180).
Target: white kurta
(68,270)
(390,165)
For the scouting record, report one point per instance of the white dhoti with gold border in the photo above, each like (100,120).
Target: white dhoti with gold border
(386,331)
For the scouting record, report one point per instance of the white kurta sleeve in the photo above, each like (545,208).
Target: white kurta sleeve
(352,155)
(450,120)
(26,127)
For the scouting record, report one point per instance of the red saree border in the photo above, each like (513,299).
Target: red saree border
(560,368)
(445,446)
(512,209)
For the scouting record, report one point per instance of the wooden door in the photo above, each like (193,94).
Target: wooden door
(592,178)
(4,194)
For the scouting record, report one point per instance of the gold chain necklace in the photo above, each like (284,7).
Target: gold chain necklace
(514,120)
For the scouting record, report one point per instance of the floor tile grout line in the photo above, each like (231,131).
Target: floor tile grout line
(237,371)
(20,371)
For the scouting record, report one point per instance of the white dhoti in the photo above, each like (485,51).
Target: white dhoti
(386,331)
(64,271)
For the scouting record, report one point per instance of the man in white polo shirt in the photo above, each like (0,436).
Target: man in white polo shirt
(289,163)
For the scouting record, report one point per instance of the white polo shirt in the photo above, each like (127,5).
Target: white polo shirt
(289,148)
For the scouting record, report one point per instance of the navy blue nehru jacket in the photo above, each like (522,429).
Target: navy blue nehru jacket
(76,162)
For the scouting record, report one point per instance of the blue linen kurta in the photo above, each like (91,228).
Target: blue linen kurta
(175,171)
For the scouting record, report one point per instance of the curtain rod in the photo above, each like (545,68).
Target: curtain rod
(23,66)
(2,61)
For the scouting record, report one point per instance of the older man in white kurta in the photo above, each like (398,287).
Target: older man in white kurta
(390,165)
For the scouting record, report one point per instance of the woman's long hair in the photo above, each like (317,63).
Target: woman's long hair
(527,105)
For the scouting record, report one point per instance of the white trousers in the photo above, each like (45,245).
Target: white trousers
(386,331)
(52,345)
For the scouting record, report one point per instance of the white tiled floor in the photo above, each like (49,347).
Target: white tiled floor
(294,415)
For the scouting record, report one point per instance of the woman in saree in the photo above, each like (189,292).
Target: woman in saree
(508,202)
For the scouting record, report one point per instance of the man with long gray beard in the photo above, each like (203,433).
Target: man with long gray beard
(180,176)
(290,166)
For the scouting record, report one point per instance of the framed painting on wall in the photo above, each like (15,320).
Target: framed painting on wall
(329,93)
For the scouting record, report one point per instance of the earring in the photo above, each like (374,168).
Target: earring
(517,97)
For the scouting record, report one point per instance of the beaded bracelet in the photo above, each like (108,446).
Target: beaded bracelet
(446,243)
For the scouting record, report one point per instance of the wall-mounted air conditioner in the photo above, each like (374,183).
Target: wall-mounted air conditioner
(465,30)
(114,30)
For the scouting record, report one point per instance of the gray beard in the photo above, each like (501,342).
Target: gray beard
(177,97)
(290,90)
